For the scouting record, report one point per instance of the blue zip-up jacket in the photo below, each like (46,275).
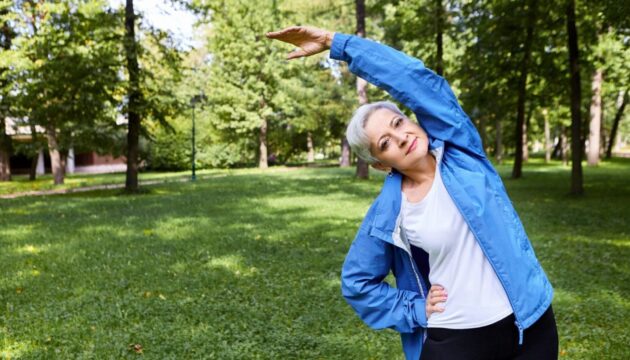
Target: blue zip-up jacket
(380,245)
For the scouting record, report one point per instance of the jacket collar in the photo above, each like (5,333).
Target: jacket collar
(388,203)
(390,199)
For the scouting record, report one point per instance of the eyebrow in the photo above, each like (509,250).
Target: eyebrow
(391,124)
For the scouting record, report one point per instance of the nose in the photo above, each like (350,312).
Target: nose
(401,139)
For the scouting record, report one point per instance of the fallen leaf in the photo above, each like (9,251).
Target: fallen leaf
(137,348)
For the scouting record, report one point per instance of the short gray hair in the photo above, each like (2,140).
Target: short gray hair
(355,133)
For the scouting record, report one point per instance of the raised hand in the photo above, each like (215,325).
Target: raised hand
(310,40)
(437,297)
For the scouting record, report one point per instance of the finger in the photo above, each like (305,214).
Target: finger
(439,294)
(437,300)
(434,309)
(275,34)
(297,53)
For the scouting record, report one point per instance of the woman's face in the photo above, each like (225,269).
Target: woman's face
(395,141)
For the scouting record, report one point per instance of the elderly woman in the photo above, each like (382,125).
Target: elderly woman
(468,283)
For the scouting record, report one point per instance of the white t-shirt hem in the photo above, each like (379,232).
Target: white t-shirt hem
(500,316)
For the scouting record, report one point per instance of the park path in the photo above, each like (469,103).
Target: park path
(120,185)
(90,188)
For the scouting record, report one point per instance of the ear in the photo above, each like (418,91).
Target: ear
(379,166)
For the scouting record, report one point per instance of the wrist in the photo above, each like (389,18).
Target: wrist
(329,38)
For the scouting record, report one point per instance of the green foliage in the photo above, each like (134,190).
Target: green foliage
(169,150)
(248,264)
(68,75)
(67,69)
(247,71)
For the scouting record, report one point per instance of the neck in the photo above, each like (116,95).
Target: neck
(424,171)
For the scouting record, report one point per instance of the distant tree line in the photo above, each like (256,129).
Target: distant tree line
(544,76)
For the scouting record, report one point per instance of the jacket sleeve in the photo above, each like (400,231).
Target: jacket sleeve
(407,80)
(377,303)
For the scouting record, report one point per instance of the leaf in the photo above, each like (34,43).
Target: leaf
(137,348)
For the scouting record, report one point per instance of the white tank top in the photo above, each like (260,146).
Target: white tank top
(475,296)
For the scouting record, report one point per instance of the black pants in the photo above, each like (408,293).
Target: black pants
(495,341)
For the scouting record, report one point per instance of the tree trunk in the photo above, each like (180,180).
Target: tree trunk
(345,153)
(32,171)
(55,155)
(622,99)
(560,151)
(134,95)
(498,148)
(363,169)
(577,187)
(564,146)
(521,130)
(525,146)
(5,151)
(5,165)
(596,119)
(8,34)
(32,174)
(556,152)
(262,145)
(482,132)
(310,157)
(439,22)
(63,161)
(545,113)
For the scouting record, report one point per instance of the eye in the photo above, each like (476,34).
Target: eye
(384,144)
(397,121)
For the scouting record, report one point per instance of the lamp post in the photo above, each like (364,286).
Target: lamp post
(193,101)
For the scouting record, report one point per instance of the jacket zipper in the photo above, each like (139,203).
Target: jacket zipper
(412,261)
(415,273)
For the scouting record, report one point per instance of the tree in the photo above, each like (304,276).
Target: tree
(521,129)
(576,98)
(7,34)
(363,169)
(248,87)
(596,118)
(621,105)
(69,81)
(134,98)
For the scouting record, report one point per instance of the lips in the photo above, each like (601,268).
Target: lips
(412,146)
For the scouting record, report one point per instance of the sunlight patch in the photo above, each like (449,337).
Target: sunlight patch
(333,283)
(16,232)
(29,249)
(179,267)
(10,349)
(619,242)
(233,264)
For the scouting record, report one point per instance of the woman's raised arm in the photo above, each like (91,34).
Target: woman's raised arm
(427,94)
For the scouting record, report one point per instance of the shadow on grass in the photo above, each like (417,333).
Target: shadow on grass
(234,266)
(248,265)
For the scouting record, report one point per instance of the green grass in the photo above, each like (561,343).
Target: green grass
(248,265)
(21,184)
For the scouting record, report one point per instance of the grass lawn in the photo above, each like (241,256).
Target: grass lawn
(248,265)
(21,184)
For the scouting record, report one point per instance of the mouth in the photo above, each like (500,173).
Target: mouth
(413,145)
